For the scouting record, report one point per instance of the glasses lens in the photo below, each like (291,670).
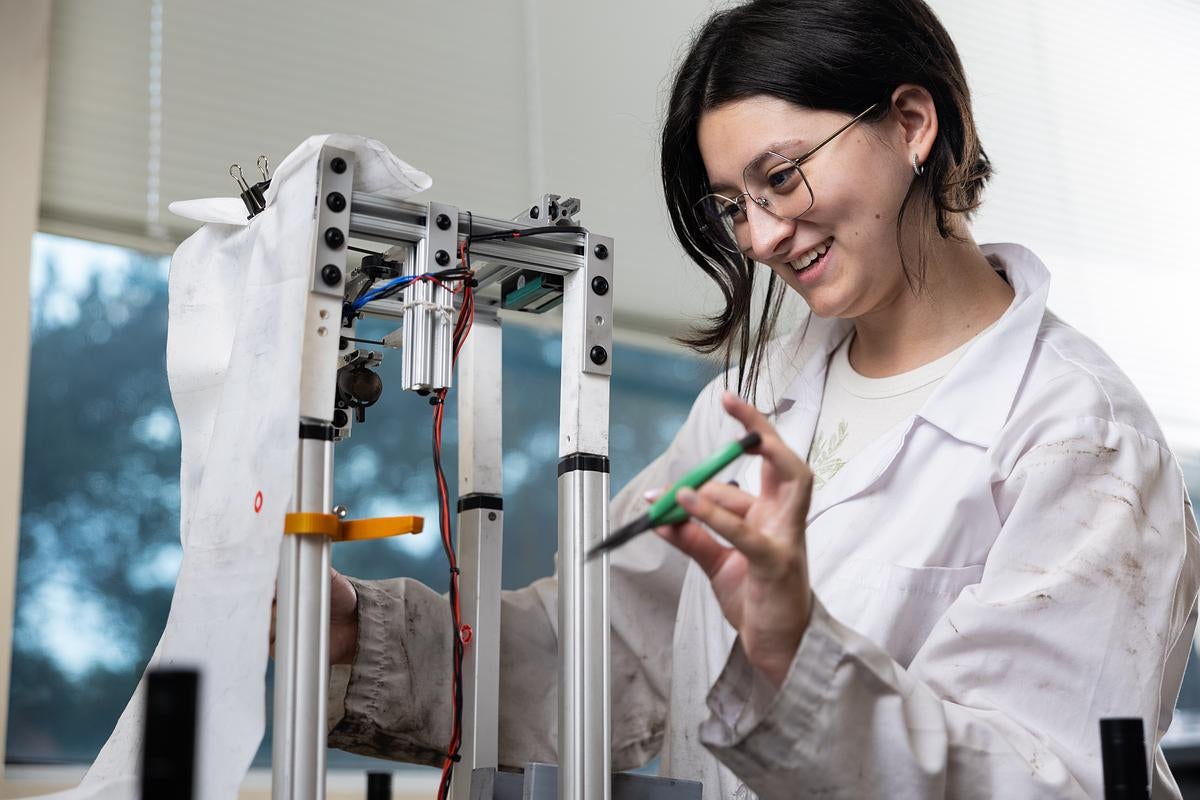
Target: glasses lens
(780,183)
(722,219)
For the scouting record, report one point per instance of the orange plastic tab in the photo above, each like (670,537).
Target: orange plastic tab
(355,530)
(309,523)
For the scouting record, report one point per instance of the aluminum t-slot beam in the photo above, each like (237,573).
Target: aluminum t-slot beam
(403,222)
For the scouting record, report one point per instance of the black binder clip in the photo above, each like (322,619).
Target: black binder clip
(253,196)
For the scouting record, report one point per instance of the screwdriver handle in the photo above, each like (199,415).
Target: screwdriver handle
(666,511)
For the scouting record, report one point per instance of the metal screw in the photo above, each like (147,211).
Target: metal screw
(341,511)
(338,165)
(535,212)
(340,418)
(600,285)
(331,275)
(336,202)
(601,252)
(334,238)
(599,355)
(442,258)
(443,222)
(491,516)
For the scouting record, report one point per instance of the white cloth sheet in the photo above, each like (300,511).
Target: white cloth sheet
(238,293)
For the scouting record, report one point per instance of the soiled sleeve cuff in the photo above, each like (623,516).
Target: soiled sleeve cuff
(396,702)
(755,728)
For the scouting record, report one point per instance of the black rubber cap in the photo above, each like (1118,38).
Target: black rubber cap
(1123,754)
(379,786)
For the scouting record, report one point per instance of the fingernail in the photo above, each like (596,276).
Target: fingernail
(651,495)
(685,496)
(734,483)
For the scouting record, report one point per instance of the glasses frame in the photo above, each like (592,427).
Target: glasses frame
(762,202)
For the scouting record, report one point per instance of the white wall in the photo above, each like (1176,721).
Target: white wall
(604,77)
(1087,109)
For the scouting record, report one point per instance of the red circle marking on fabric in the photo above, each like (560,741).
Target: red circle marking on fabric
(258,502)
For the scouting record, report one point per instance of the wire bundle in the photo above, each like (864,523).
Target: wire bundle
(462,327)
(396,285)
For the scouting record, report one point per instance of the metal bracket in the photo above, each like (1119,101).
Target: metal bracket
(598,281)
(441,237)
(551,210)
(335,187)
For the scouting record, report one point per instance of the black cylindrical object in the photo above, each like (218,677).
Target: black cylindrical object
(1123,754)
(169,747)
(379,786)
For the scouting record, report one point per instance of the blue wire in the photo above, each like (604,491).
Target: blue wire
(371,295)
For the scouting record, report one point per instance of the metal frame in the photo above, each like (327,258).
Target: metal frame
(583,485)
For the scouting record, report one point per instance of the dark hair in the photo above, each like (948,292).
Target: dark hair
(833,55)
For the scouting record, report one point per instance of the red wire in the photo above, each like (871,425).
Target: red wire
(462,328)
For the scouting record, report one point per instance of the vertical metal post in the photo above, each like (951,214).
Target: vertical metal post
(302,630)
(480,542)
(302,592)
(584,713)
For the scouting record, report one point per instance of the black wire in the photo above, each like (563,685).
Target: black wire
(454,274)
(362,250)
(519,233)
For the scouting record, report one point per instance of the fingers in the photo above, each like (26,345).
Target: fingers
(752,543)
(695,542)
(728,496)
(781,464)
(651,495)
(772,447)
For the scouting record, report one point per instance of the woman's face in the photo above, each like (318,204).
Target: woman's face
(858,182)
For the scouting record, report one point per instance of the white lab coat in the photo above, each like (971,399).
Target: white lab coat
(993,576)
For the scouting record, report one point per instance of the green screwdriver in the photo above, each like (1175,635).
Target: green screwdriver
(665,510)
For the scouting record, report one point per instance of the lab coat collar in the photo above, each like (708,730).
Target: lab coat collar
(973,401)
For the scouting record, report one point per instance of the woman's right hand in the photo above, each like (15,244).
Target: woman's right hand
(343,620)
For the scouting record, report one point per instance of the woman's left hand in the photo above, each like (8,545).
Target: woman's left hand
(761,582)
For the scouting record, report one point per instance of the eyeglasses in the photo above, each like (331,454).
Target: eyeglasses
(774,183)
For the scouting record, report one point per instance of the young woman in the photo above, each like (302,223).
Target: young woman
(964,540)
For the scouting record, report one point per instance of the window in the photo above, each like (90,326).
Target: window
(100,505)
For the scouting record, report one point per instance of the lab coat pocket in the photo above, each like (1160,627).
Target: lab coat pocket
(894,605)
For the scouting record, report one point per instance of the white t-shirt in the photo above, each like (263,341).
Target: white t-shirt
(855,409)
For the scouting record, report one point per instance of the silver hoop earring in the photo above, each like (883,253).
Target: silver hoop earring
(917,168)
